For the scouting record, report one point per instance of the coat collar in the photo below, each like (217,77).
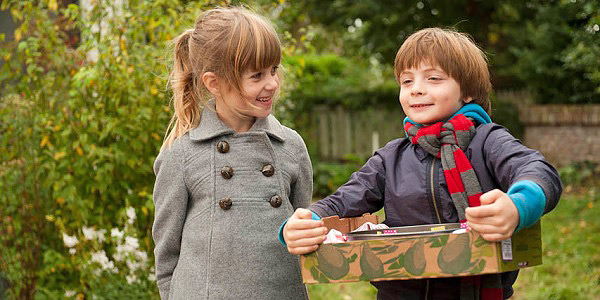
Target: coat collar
(211,126)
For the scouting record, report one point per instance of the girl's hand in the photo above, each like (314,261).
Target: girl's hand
(497,217)
(302,234)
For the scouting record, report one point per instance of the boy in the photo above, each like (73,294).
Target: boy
(455,166)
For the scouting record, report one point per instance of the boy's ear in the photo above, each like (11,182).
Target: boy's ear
(467,99)
(211,82)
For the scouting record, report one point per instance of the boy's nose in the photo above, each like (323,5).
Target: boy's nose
(417,88)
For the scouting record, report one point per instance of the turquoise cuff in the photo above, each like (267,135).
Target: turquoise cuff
(280,234)
(530,200)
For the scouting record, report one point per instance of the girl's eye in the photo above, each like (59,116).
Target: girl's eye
(257,75)
(435,78)
(274,70)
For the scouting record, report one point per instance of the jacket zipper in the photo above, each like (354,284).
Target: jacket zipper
(437,213)
(432,187)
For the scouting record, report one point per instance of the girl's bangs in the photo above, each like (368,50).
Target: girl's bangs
(261,49)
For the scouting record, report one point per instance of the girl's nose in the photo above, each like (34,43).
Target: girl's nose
(272,83)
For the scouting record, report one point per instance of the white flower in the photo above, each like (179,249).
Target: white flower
(70,241)
(115,232)
(89,233)
(131,279)
(70,293)
(100,235)
(72,251)
(131,214)
(132,242)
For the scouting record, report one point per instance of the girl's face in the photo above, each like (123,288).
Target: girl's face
(259,88)
(429,95)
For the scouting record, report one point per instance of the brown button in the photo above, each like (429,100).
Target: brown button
(223,146)
(225,203)
(275,201)
(268,170)
(227,172)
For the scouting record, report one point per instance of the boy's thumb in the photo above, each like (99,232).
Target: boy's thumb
(490,197)
(302,213)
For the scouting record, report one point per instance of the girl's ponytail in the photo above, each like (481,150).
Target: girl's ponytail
(183,81)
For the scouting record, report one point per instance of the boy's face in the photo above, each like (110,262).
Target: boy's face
(429,95)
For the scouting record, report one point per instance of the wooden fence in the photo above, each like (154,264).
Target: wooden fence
(340,132)
(563,133)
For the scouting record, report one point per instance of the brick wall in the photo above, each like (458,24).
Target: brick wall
(563,133)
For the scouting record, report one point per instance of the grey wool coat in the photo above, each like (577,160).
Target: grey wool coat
(219,199)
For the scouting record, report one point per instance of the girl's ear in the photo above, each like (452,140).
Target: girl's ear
(467,100)
(211,82)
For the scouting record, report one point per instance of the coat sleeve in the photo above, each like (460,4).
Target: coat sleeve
(510,162)
(170,205)
(302,188)
(363,193)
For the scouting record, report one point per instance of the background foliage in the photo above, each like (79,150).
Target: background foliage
(84,107)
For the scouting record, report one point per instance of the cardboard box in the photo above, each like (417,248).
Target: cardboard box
(419,256)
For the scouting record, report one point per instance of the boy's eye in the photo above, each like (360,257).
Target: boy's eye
(405,81)
(435,78)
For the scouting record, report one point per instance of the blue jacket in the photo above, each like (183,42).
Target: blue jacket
(409,184)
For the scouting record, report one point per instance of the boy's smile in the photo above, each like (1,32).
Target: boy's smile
(428,94)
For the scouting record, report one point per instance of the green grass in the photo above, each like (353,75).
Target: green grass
(571,268)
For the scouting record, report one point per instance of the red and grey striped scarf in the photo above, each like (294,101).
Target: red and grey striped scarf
(448,141)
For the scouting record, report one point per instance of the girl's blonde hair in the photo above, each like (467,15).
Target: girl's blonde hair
(226,41)
(456,54)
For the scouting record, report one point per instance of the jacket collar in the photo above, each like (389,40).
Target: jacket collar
(211,126)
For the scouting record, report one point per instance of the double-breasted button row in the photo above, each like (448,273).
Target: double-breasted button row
(223,147)
(226,203)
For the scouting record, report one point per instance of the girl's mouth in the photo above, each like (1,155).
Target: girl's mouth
(263,99)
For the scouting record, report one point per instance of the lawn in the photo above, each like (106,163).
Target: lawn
(571,268)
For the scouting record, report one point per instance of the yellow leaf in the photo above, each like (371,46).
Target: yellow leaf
(17,35)
(153,90)
(59,155)
(145,210)
(123,45)
(156,136)
(50,218)
(142,194)
(157,80)
(79,151)
(44,141)
(52,5)
(167,109)
(60,200)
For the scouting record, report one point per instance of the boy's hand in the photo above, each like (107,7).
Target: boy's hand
(497,217)
(302,234)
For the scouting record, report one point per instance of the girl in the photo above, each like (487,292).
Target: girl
(228,173)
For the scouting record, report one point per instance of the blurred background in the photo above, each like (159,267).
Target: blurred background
(84,106)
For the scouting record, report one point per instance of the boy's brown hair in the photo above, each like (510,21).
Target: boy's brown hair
(456,54)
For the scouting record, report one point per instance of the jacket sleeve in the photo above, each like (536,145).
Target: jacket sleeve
(363,193)
(510,162)
(302,188)
(170,205)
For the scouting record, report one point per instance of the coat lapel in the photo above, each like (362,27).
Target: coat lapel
(211,126)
